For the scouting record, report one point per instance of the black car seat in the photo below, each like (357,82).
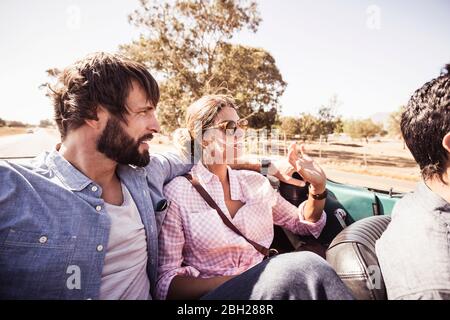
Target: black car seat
(352,255)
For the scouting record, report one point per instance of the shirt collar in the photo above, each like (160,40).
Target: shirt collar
(430,198)
(205,176)
(235,187)
(71,177)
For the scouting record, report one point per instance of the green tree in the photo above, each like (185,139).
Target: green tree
(309,126)
(45,123)
(339,125)
(17,124)
(290,126)
(394,122)
(2,122)
(185,43)
(358,129)
(329,121)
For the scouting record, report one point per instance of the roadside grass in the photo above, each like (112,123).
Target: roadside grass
(386,172)
(9,131)
(381,159)
(385,158)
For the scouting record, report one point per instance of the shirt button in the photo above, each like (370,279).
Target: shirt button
(99,248)
(94,188)
(43,239)
(98,208)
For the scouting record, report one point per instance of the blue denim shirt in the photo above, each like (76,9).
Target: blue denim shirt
(54,229)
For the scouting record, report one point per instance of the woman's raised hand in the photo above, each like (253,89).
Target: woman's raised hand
(307,168)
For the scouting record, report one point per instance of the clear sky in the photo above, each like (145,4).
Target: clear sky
(372,54)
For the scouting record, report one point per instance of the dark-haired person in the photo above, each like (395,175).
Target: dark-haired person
(414,251)
(81,221)
(77,223)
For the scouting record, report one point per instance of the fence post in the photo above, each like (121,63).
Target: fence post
(320,147)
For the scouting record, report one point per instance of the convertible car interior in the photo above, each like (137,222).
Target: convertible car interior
(356,218)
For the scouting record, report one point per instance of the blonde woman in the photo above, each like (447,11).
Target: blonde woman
(201,257)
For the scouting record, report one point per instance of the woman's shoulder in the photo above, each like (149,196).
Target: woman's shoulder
(251,177)
(255,186)
(177,186)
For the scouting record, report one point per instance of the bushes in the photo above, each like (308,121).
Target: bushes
(16,124)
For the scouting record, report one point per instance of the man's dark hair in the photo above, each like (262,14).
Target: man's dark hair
(425,122)
(98,79)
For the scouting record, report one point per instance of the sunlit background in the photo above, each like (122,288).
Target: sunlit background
(372,54)
(363,59)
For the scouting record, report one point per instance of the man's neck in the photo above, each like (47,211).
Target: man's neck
(90,162)
(439,187)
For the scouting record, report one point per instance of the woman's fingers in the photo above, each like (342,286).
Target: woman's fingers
(298,161)
(298,165)
(302,149)
(292,150)
(304,154)
(293,145)
(292,154)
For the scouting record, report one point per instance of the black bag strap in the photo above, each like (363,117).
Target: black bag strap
(205,195)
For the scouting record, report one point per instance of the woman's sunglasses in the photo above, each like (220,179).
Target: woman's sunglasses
(230,126)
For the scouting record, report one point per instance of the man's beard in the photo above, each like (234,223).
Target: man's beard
(119,146)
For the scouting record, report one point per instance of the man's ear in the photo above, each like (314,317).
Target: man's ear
(99,123)
(446,142)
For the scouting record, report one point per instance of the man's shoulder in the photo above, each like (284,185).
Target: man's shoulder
(7,171)
(36,165)
(24,180)
(11,171)
(413,251)
(19,189)
(161,163)
(157,161)
(415,231)
(413,218)
(413,214)
(422,203)
(160,159)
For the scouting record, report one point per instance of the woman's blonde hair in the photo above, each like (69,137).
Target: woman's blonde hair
(200,116)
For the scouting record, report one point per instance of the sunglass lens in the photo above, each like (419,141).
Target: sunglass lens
(231,127)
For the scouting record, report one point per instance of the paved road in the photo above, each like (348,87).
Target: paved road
(32,144)
(28,144)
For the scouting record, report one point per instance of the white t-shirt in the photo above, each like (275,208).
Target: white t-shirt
(124,274)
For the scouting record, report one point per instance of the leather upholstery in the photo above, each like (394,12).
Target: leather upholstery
(352,255)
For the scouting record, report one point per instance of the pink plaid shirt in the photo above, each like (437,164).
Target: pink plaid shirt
(194,241)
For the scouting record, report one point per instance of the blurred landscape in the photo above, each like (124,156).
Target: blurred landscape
(380,164)
(332,75)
